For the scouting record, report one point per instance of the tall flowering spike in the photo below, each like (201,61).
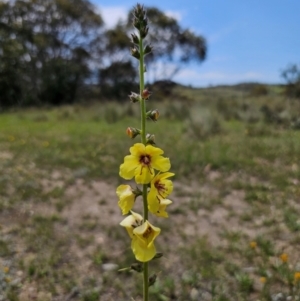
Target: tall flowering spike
(140,20)
(142,162)
(146,165)
(143,242)
(160,188)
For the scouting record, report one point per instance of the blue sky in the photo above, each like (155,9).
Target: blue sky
(248,40)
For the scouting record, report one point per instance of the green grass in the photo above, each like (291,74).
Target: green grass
(237,181)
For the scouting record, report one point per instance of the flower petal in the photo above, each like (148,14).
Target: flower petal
(153,201)
(144,174)
(130,222)
(127,198)
(161,212)
(128,167)
(153,151)
(164,175)
(123,190)
(146,233)
(160,163)
(137,149)
(142,253)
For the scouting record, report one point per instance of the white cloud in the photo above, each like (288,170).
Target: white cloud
(198,79)
(112,14)
(177,15)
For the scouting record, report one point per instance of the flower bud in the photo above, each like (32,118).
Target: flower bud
(146,94)
(137,267)
(153,115)
(135,39)
(148,49)
(134,97)
(132,132)
(135,53)
(144,32)
(137,192)
(152,279)
(158,255)
(140,20)
(136,23)
(150,139)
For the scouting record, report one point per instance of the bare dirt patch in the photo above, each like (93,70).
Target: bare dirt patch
(92,240)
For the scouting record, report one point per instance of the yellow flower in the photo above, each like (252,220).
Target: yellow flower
(296,277)
(142,162)
(253,244)
(284,257)
(11,138)
(161,187)
(45,143)
(161,212)
(127,198)
(143,241)
(6,270)
(131,222)
(263,280)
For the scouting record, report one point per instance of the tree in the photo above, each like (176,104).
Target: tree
(11,62)
(118,79)
(173,48)
(47,46)
(291,75)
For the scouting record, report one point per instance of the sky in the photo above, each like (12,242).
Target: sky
(248,40)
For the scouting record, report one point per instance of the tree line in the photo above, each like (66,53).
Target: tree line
(52,50)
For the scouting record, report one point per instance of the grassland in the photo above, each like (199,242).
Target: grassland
(234,227)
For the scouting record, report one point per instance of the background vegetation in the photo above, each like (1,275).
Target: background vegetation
(233,232)
(58,52)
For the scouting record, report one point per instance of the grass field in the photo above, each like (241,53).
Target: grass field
(234,226)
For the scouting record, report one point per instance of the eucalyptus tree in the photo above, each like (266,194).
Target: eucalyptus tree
(117,74)
(52,46)
(291,75)
(173,48)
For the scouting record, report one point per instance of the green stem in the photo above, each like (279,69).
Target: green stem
(143,105)
(143,137)
(145,270)
(145,278)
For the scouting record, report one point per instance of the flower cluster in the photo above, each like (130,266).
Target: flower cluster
(148,167)
(146,163)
